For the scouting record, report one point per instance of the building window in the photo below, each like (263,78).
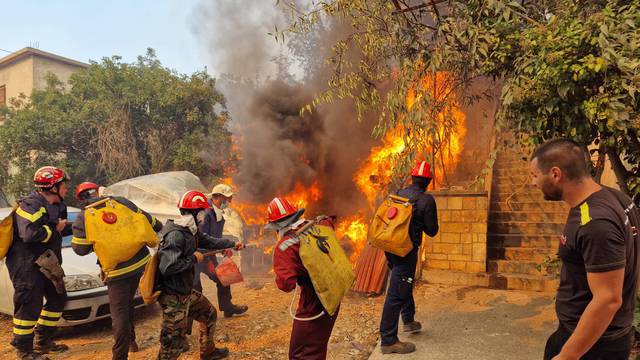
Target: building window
(3,95)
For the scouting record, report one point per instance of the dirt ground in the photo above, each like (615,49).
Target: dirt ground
(263,333)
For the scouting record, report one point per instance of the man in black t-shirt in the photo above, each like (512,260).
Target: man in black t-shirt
(596,296)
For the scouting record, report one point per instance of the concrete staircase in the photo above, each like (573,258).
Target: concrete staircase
(523,228)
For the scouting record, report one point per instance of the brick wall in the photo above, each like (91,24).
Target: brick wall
(461,243)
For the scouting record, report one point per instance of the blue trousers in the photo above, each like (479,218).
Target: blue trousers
(399,298)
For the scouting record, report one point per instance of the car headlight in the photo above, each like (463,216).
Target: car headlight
(82,282)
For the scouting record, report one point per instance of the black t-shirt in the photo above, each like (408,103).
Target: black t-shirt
(596,238)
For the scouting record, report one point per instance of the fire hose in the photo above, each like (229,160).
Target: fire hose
(295,293)
(220,251)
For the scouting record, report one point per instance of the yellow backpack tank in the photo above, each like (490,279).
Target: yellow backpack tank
(116,232)
(328,266)
(389,229)
(6,233)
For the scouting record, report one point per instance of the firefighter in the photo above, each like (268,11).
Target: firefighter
(122,281)
(177,257)
(41,222)
(399,300)
(211,222)
(312,326)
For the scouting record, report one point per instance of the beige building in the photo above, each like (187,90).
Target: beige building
(25,70)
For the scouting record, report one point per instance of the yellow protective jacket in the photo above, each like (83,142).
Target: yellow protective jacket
(119,233)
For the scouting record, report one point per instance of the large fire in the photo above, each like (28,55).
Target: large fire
(255,213)
(375,173)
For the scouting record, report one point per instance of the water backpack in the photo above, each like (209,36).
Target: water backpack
(6,233)
(389,229)
(328,266)
(117,233)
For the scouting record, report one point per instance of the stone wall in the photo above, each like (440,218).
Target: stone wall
(461,243)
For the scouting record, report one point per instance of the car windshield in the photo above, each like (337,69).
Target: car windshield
(71,216)
(3,200)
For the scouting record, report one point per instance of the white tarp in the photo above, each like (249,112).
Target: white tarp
(159,194)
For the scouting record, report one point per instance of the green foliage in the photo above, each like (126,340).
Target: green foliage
(116,120)
(565,68)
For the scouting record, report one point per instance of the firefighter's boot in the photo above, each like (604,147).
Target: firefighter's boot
(217,353)
(412,327)
(50,347)
(398,348)
(133,347)
(30,355)
(236,310)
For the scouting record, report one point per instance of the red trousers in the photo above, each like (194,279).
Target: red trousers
(309,339)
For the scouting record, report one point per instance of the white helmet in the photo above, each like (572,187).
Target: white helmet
(222,189)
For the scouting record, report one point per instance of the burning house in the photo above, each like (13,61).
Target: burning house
(327,161)
(309,160)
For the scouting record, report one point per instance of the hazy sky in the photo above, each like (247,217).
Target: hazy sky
(88,29)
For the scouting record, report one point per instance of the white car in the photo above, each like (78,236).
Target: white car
(87,298)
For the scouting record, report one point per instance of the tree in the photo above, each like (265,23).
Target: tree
(565,68)
(116,120)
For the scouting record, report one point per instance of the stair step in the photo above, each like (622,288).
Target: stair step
(521,178)
(553,217)
(523,282)
(532,228)
(538,206)
(528,241)
(529,195)
(523,229)
(520,253)
(516,267)
(510,155)
(506,163)
(503,170)
(513,188)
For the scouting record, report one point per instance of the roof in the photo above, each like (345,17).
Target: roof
(29,51)
(371,271)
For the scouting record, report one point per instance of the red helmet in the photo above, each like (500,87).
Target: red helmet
(48,176)
(422,169)
(86,186)
(192,200)
(279,208)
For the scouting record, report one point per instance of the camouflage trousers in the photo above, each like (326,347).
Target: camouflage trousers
(176,312)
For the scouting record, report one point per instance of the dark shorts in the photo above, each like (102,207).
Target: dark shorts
(617,349)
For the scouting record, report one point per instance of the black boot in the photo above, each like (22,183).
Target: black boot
(133,347)
(412,327)
(30,355)
(50,347)
(235,310)
(218,353)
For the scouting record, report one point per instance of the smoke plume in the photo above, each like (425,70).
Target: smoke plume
(278,148)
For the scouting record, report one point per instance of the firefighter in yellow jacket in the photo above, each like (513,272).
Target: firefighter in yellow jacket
(119,233)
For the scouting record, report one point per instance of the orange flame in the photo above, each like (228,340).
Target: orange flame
(354,229)
(268,250)
(374,174)
(255,213)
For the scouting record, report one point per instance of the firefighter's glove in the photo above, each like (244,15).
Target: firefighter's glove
(199,256)
(50,267)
